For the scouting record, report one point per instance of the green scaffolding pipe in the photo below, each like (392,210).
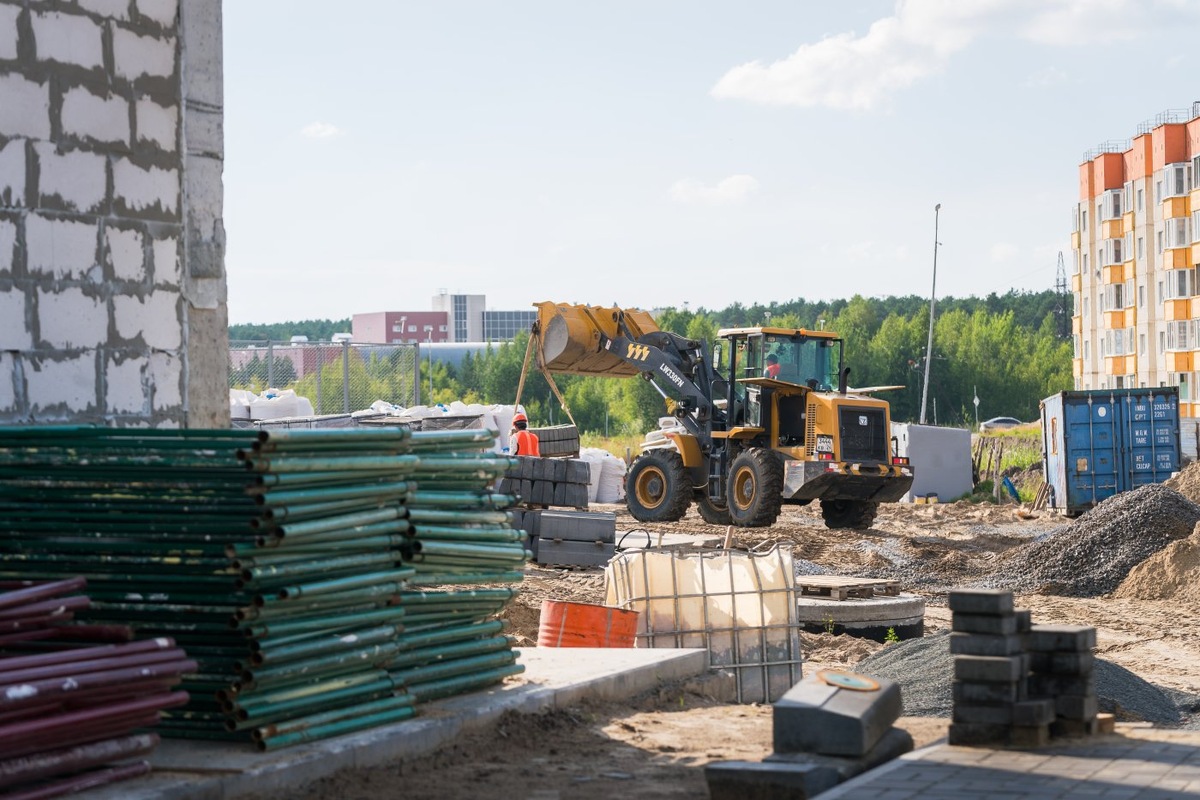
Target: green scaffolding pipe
(323,731)
(279,536)
(317,566)
(453,633)
(424,692)
(281,465)
(264,678)
(315,721)
(422,498)
(446,532)
(329,622)
(445,652)
(301,438)
(268,655)
(440,598)
(274,498)
(500,551)
(388,578)
(417,515)
(262,714)
(475,577)
(451,668)
(267,606)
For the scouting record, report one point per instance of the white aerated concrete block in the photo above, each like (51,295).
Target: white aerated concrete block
(8,241)
(62,248)
(156,319)
(12,170)
(166,380)
(167,266)
(70,382)
(145,188)
(68,39)
(14,334)
(135,56)
(71,319)
(26,107)
(161,11)
(126,254)
(8,38)
(104,119)
(113,9)
(78,177)
(157,123)
(8,382)
(124,392)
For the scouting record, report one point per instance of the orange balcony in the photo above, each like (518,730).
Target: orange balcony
(1115,365)
(1114,319)
(1177,258)
(1112,228)
(1179,361)
(1177,309)
(1176,207)
(1195,255)
(1076,324)
(1077,282)
(1077,367)
(1113,273)
(1127,219)
(1074,240)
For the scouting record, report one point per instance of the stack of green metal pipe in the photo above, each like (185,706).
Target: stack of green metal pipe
(298,568)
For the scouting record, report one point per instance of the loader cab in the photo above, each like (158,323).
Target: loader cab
(806,358)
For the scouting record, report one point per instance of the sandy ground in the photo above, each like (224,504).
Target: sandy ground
(656,746)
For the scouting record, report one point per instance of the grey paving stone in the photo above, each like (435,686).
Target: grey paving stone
(976,644)
(817,718)
(1074,638)
(981,601)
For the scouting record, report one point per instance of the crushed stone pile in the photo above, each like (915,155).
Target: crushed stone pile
(1187,482)
(1093,554)
(924,668)
(1169,574)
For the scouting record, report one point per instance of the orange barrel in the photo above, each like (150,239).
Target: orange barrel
(565,624)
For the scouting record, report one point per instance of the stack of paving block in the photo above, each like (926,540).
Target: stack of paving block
(991,668)
(575,538)
(548,482)
(1061,663)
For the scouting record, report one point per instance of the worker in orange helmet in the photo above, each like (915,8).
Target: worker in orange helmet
(522,441)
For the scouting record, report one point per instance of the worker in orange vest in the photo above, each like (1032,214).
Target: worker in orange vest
(522,441)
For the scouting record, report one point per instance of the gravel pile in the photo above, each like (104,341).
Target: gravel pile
(1092,555)
(924,669)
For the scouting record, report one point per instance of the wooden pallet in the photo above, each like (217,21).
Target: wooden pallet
(839,587)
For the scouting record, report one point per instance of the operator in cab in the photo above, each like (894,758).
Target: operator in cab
(521,440)
(772,368)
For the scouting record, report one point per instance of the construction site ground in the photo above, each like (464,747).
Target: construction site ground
(657,744)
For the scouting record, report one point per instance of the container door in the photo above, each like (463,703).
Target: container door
(1152,421)
(1093,460)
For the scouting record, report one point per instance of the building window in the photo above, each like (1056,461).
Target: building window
(1159,236)
(1177,334)
(1141,344)
(1113,252)
(1083,219)
(1196,226)
(1086,349)
(1179,284)
(1162,343)
(1178,179)
(1076,346)
(1114,296)
(1110,204)
(1157,192)
(441,328)
(1085,308)
(412,328)
(1141,297)
(427,328)
(1085,262)
(1141,248)
(1141,199)
(1120,381)
(1183,386)
(1178,232)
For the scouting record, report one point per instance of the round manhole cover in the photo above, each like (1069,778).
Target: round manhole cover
(844,679)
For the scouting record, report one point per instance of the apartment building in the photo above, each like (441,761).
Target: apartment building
(1136,243)
(455,318)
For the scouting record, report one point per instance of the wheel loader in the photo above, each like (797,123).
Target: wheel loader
(766,418)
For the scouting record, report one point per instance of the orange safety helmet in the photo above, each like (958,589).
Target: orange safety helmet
(519,417)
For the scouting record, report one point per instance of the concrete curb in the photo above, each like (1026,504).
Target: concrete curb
(554,678)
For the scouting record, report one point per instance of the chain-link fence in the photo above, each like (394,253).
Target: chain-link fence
(336,377)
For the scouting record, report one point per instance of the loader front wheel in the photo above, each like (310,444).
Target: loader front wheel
(657,488)
(755,488)
(849,513)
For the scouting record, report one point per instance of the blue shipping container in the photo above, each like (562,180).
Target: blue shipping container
(1101,442)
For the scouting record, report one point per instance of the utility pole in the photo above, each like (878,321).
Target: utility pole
(932,305)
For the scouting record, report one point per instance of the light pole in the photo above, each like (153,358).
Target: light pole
(932,305)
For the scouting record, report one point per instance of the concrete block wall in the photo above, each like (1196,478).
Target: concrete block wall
(112,282)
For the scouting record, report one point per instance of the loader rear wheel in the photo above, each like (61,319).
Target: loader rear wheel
(657,488)
(849,513)
(710,512)
(755,488)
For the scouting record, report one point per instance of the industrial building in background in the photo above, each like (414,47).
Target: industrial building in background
(1135,242)
(454,318)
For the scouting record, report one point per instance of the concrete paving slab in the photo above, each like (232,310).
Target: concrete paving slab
(553,678)
(1133,762)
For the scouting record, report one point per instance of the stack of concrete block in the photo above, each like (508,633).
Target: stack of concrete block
(824,734)
(1061,664)
(992,704)
(525,519)
(575,538)
(547,482)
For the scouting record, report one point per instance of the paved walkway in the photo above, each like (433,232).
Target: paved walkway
(1135,762)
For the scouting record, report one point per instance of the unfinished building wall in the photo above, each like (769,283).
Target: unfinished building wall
(112,283)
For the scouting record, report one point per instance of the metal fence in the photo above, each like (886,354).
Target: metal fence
(336,377)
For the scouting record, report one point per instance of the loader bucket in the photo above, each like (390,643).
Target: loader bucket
(570,339)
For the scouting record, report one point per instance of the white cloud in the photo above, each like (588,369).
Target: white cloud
(321,130)
(853,72)
(1050,76)
(734,190)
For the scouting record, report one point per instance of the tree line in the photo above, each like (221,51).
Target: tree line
(1008,350)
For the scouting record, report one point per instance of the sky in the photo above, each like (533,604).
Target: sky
(671,152)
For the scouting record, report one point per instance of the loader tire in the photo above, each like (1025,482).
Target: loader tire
(859,514)
(710,512)
(755,488)
(657,488)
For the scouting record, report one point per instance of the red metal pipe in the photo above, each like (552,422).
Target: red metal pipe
(52,606)
(41,591)
(14,733)
(28,636)
(80,783)
(82,654)
(75,759)
(27,623)
(93,665)
(96,633)
(81,733)
(35,692)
